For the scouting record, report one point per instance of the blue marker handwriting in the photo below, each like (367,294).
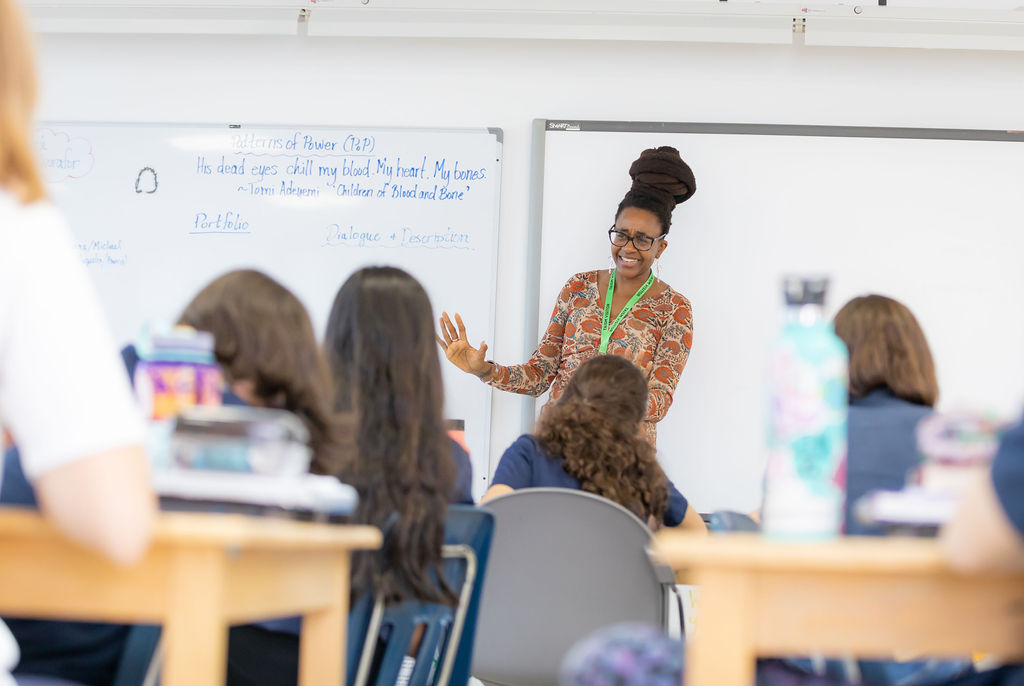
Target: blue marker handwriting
(98,254)
(341,235)
(220,222)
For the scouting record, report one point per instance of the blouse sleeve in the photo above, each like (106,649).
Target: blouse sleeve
(669,360)
(535,376)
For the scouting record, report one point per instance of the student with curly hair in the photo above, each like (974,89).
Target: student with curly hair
(591,440)
(625,311)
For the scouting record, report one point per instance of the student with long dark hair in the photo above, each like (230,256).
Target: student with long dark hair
(396,452)
(380,348)
(591,440)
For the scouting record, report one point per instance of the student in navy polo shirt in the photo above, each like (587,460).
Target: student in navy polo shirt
(892,387)
(590,440)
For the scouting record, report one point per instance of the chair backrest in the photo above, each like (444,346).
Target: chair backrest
(564,563)
(380,637)
(140,657)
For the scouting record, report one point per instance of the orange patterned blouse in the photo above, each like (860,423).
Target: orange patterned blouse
(655,336)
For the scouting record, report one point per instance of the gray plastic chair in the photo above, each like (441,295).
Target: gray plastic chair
(564,563)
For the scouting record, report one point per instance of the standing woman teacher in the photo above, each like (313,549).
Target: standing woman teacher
(625,310)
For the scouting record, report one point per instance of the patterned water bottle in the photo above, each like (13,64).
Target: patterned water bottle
(805,478)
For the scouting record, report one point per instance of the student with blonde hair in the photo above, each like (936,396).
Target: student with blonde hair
(63,396)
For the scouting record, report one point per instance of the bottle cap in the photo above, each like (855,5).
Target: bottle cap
(802,290)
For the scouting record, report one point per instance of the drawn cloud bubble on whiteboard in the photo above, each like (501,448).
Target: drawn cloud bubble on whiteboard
(64,157)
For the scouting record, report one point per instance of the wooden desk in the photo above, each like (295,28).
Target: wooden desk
(862,596)
(202,573)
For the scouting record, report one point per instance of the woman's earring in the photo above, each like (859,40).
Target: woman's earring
(611,264)
(657,267)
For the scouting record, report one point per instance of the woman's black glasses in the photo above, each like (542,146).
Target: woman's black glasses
(641,241)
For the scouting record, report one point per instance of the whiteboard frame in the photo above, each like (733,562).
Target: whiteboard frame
(544,127)
(498,134)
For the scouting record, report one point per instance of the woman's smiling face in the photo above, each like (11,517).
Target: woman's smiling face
(629,261)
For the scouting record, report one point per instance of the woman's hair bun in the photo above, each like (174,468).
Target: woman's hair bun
(662,172)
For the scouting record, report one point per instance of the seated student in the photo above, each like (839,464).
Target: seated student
(987,532)
(892,387)
(266,347)
(380,348)
(590,440)
(61,396)
(264,342)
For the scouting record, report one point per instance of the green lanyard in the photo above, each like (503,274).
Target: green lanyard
(606,331)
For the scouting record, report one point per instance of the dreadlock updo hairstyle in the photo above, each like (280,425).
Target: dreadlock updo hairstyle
(382,354)
(262,334)
(661,180)
(594,426)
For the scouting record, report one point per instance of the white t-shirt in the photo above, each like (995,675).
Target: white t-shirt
(64,394)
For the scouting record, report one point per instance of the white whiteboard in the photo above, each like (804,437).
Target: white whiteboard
(937,223)
(158,210)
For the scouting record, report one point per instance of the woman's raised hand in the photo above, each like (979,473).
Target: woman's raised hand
(459,350)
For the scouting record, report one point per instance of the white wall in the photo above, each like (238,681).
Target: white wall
(409,82)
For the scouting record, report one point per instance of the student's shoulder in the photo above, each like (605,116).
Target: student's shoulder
(517,465)
(37,223)
(525,446)
(36,245)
